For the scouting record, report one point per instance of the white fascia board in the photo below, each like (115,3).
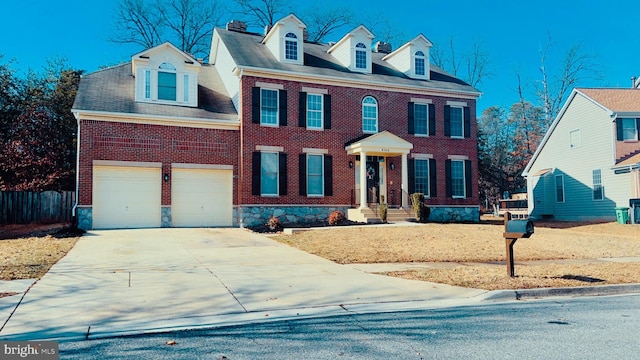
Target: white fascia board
(157,120)
(338,81)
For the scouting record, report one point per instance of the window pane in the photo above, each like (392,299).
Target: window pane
(559,188)
(361,56)
(269,173)
(598,190)
(420,118)
(422,176)
(629,129)
(456,122)
(457,178)
(314,111)
(166,86)
(420,68)
(185,85)
(369,115)
(314,175)
(291,47)
(147,84)
(269,106)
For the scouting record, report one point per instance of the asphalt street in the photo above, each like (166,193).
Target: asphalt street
(559,328)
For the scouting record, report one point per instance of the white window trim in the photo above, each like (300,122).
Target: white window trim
(277,194)
(593,190)
(295,40)
(377,115)
(461,120)
(422,156)
(579,139)
(321,175)
(182,88)
(426,194)
(321,127)
(415,132)
(635,126)
(277,123)
(464,177)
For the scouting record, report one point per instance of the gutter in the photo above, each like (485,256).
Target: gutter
(75,205)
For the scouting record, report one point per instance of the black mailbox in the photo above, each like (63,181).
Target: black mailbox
(515,229)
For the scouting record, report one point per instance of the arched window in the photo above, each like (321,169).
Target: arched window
(420,63)
(361,56)
(167,82)
(291,46)
(369,115)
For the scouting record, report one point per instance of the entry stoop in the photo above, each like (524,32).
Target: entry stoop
(369,217)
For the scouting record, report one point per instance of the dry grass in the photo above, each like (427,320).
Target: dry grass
(30,257)
(483,243)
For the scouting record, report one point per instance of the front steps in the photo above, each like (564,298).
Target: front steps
(368,216)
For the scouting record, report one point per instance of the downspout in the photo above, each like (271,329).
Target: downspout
(239,72)
(74,213)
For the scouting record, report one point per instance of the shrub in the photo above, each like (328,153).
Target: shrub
(274,223)
(382,210)
(420,210)
(336,218)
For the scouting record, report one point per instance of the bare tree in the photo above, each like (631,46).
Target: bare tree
(553,88)
(472,66)
(383,29)
(188,24)
(321,21)
(136,22)
(261,13)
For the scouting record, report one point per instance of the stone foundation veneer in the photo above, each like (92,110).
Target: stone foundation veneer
(259,215)
(85,219)
(454,214)
(166,216)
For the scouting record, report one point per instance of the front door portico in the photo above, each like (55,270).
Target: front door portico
(384,144)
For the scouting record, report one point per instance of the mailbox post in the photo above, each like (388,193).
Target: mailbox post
(513,230)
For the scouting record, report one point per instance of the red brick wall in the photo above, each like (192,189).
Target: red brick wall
(624,148)
(346,124)
(101,140)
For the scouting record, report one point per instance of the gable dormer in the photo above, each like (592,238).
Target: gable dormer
(285,40)
(354,50)
(164,74)
(412,58)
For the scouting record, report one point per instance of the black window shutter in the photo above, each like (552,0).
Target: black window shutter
(327,111)
(447,120)
(302,174)
(302,109)
(255,105)
(433,185)
(638,128)
(619,129)
(255,173)
(467,122)
(447,171)
(467,178)
(283,107)
(411,118)
(282,173)
(432,119)
(412,176)
(328,175)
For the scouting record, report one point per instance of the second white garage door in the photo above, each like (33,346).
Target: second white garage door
(201,197)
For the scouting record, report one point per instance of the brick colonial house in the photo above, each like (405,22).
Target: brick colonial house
(274,125)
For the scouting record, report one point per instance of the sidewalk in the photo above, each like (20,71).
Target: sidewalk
(122,282)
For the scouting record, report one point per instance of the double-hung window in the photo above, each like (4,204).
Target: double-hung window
(167,82)
(361,56)
(560,188)
(291,46)
(598,190)
(315,111)
(315,175)
(421,171)
(421,119)
(456,122)
(369,115)
(268,107)
(629,131)
(457,179)
(420,61)
(269,173)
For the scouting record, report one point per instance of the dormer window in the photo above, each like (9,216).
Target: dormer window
(420,63)
(166,82)
(361,56)
(291,47)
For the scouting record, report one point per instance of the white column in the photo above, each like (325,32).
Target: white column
(405,182)
(363,180)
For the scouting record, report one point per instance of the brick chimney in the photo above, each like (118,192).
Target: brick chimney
(237,25)
(383,47)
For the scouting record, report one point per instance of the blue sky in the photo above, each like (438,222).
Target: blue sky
(512,34)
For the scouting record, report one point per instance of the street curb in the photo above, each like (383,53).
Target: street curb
(525,294)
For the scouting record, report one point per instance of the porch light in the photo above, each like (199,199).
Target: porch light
(392,166)
(350,164)
(166,177)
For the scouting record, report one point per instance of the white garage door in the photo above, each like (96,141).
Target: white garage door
(201,197)
(126,197)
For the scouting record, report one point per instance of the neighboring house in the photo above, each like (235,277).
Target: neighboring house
(587,163)
(273,126)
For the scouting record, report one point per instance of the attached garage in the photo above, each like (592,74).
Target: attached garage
(201,195)
(127,196)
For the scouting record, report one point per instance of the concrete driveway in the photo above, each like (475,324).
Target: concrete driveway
(118,282)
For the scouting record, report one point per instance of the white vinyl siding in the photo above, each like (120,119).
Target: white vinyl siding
(575,139)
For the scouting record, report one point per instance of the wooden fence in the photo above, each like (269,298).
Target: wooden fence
(24,207)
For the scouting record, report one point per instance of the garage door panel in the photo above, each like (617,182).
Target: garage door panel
(201,197)
(126,197)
